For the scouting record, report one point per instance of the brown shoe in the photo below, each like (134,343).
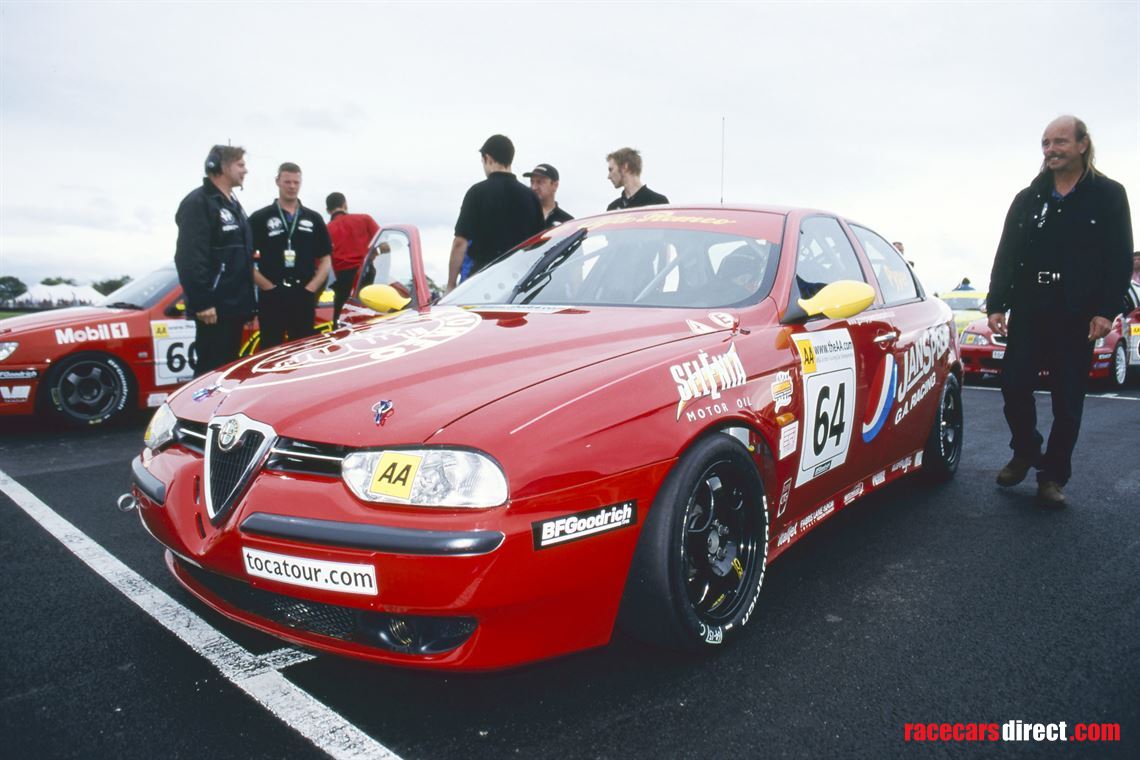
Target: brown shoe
(1014,472)
(1049,494)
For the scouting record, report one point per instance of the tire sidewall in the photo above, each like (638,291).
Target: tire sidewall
(936,464)
(1119,357)
(115,365)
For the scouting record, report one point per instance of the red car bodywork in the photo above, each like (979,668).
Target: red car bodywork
(152,346)
(581,408)
(983,352)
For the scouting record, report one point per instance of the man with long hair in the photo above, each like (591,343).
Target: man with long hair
(1061,270)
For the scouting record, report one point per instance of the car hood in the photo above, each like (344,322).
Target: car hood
(46,320)
(432,367)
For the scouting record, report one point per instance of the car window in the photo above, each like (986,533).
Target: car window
(895,279)
(629,267)
(824,256)
(389,262)
(145,291)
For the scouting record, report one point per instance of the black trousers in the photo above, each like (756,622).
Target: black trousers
(342,289)
(1050,339)
(217,344)
(286,314)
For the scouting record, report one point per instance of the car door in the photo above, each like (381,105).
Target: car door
(836,358)
(916,342)
(394,258)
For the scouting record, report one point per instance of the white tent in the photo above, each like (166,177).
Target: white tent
(59,295)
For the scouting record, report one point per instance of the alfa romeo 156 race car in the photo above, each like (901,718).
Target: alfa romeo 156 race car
(87,364)
(623,420)
(1113,356)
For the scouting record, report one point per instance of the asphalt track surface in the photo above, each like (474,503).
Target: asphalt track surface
(961,603)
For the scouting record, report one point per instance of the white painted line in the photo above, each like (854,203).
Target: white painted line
(257,676)
(1113,396)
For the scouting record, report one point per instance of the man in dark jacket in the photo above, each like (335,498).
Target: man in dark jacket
(1061,270)
(623,168)
(214,259)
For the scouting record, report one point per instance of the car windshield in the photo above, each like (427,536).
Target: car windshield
(143,292)
(965,303)
(628,267)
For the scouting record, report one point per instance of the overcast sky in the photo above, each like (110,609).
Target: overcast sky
(918,120)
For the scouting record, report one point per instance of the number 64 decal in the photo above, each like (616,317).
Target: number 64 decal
(827,363)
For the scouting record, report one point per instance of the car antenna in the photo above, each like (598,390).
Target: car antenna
(722,160)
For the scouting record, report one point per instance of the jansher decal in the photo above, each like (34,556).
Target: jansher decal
(356,348)
(918,368)
(707,376)
(114,330)
(580,525)
(827,359)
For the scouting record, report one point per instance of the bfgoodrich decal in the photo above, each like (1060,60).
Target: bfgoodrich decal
(580,525)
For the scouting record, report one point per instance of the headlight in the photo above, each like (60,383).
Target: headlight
(975,339)
(6,349)
(426,477)
(160,431)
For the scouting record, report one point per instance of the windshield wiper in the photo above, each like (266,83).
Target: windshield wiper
(122,305)
(541,271)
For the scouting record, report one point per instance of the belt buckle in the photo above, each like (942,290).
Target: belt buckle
(1047,278)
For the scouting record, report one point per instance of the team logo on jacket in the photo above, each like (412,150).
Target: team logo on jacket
(581,525)
(882,397)
(227,216)
(273,223)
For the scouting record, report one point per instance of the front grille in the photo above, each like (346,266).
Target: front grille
(191,435)
(229,472)
(314,617)
(227,468)
(308,457)
(997,340)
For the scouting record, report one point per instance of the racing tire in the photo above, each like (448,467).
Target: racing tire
(1118,368)
(88,389)
(944,445)
(700,559)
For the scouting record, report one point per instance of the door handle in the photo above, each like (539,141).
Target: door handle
(887,338)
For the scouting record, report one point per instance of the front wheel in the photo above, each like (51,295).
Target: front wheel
(88,389)
(944,445)
(700,560)
(1118,370)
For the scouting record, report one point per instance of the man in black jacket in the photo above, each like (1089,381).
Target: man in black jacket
(623,168)
(214,259)
(1061,269)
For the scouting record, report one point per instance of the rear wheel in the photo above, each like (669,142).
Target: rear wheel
(88,389)
(1118,370)
(944,445)
(700,560)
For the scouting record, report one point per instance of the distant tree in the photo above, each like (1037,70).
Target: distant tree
(11,288)
(106,287)
(58,281)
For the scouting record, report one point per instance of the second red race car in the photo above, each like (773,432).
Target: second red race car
(623,420)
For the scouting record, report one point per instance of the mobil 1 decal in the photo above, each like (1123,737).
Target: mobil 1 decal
(827,360)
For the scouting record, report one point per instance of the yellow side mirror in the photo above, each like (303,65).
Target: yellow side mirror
(383,298)
(839,300)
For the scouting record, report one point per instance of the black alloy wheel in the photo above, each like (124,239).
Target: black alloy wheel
(700,559)
(944,446)
(88,389)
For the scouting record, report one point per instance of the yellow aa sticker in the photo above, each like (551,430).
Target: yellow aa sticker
(395,474)
(160,329)
(807,356)
(1135,329)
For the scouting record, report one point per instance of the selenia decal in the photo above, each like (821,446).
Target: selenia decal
(707,376)
(883,395)
(175,355)
(827,359)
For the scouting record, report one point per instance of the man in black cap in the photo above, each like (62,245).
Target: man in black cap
(544,184)
(214,259)
(623,168)
(497,214)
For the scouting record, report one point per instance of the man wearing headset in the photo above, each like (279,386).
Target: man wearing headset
(214,258)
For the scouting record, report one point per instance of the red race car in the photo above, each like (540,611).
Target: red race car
(87,364)
(623,420)
(1113,355)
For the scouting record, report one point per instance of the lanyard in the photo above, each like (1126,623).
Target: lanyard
(289,230)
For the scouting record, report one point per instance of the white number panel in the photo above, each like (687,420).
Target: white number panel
(827,359)
(175,356)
